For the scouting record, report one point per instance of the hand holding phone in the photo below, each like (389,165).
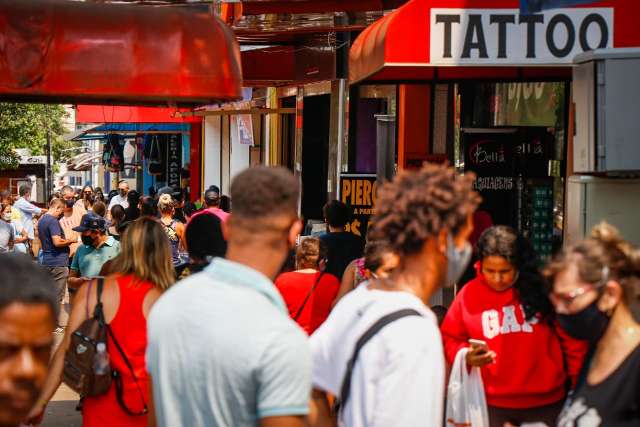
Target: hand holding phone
(479,353)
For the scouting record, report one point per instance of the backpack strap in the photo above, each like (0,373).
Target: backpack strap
(98,313)
(345,390)
(304,303)
(118,380)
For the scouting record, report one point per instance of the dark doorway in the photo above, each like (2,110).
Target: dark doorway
(288,133)
(315,153)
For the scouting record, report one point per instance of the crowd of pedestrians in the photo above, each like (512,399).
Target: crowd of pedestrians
(218,318)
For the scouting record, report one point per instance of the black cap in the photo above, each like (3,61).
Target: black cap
(212,195)
(91,221)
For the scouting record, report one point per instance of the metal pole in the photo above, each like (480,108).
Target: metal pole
(48,173)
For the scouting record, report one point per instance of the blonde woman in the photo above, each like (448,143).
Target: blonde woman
(139,275)
(173,228)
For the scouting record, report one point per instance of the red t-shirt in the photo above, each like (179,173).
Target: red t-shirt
(295,287)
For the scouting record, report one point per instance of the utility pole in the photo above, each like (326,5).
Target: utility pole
(48,173)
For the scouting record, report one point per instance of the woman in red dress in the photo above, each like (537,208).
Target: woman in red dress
(138,276)
(309,292)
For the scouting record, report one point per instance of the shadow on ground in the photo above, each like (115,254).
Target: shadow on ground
(62,413)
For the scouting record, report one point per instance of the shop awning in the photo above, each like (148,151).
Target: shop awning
(102,131)
(98,53)
(487,39)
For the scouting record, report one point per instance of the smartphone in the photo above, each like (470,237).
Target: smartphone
(479,343)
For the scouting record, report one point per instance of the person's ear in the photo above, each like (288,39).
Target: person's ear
(294,232)
(611,296)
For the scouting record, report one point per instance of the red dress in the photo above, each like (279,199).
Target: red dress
(294,288)
(130,329)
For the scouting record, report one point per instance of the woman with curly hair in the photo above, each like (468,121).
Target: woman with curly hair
(527,360)
(397,378)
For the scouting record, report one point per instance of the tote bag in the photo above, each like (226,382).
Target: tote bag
(466,402)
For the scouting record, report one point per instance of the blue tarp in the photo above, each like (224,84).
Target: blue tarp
(533,6)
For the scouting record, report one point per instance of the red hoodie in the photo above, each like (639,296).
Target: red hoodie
(529,370)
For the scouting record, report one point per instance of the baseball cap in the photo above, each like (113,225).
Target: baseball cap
(91,221)
(212,194)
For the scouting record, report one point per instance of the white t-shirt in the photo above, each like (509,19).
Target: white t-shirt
(398,378)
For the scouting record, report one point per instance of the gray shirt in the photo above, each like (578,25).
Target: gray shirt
(222,351)
(6,236)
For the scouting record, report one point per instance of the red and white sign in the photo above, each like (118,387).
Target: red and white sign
(505,37)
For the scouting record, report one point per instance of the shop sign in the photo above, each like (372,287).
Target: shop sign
(33,160)
(245,129)
(174,160)
(359,193)
(505,37)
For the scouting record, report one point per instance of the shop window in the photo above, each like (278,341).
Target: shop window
(512,136)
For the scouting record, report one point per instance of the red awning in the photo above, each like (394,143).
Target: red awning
(410,44)
(93,53)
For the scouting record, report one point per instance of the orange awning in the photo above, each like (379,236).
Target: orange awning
(398,47)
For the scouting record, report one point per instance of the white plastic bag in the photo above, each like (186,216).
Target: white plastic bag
(466,403)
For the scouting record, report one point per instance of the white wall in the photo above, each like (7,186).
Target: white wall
(211,152)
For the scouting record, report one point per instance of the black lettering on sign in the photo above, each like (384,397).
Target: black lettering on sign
(448,21)
(502,21)
(531,21)
(475,31)
(594,18)
(571,36)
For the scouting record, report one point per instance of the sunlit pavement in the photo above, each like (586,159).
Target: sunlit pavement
(61,411)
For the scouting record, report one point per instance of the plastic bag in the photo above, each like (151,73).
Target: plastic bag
(466,402)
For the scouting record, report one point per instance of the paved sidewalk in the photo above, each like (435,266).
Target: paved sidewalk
(61,411)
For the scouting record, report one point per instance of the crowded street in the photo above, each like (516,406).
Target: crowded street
(310,213)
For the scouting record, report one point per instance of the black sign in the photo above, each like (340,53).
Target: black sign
(359,193)
(502,160)
(174,160)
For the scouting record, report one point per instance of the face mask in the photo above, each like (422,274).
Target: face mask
(457,261)
(6,217)
(87,240)
(123,193)
(588,324)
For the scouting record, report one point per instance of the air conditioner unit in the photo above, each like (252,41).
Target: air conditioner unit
(606,94)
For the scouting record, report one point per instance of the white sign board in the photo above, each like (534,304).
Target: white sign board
(504,37)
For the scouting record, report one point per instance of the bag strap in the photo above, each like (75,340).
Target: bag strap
(304,303)
(98,313)
(345,390)
(119,390)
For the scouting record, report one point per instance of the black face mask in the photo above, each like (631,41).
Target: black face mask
(589,324)
(87,240)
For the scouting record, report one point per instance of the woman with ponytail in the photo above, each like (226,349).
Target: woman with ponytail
(596,294)
(528,362)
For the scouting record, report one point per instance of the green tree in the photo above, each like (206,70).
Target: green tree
(25,126)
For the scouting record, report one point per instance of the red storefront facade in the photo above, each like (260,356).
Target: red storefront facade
(488,89)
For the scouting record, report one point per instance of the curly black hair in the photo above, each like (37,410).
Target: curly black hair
(505,242)
(418,204)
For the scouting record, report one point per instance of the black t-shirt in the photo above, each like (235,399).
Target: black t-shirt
(131,213)
(343,248)
(613,402)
